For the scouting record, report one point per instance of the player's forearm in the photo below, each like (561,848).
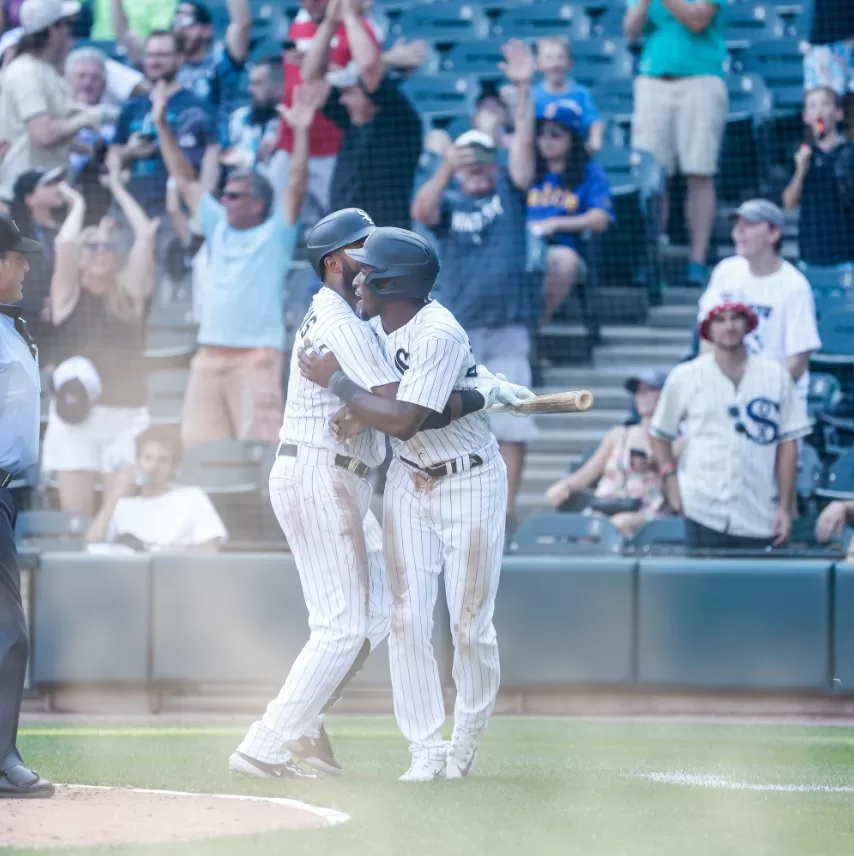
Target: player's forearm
(462,403)
(398,419)
(787,471)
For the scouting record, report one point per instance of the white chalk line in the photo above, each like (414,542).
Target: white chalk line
(331,816)
(700,780)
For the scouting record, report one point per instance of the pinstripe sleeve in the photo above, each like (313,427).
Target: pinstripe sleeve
(434,368)
(357,350)
(794,420)
(670,410)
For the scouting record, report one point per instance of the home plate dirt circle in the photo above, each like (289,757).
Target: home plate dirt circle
(87,815)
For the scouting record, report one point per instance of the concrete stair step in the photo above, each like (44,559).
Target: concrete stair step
(598,418)
(556,463)
(681,316)
(681,296)
(595,378)
(629,335)
(555,441)
(638,356)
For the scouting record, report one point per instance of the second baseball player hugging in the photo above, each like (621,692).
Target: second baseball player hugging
(444,501)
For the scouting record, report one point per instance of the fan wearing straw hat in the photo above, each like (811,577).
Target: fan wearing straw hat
(741,417)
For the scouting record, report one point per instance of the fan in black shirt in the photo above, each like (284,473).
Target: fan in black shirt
(379,152)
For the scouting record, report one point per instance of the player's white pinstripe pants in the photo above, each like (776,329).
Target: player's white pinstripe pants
(325,514)
(457,526)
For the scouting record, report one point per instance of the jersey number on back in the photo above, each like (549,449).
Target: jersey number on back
(307,323)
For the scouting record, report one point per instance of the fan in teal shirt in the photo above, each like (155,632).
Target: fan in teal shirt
(670,48)
(567,184)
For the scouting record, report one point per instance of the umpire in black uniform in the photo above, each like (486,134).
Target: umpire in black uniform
(19,449)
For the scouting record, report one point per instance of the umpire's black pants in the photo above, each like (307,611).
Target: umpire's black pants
(14,645)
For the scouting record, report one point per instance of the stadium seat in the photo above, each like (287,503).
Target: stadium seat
(172,315)
(607,23)
(746,23)
(661,536)
(839,428)
(264,47)
(628,251)
(840,478)
(474,58)
(836,276)
(51,530)
(810,473)
(599,59)
(446,22)
(824,392)
(544,18)
(230,473)
(750,103)
(778,61)
(836,330)
(166,390)
(614,96)
(566,534)
(439,97)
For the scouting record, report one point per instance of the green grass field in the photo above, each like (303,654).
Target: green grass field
(543,786)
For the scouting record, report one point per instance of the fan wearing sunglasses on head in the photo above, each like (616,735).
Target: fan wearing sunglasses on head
(741,417)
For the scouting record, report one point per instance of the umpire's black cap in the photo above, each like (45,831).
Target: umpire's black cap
(334,231)
(12,239)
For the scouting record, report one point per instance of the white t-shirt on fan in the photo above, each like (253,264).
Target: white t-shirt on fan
(183,517)
(784,303)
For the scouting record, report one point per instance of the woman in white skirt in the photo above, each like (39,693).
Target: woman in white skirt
(99,303)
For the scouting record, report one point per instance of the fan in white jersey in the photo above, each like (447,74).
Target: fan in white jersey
(742,420)
(444,501)
(321,498)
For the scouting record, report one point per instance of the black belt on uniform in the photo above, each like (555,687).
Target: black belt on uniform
(444,468)
(289,450)
(5,478)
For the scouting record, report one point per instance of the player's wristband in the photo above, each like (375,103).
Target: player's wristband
(343,387)
(470,402)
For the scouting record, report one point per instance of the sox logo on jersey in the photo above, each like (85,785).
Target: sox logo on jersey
(324,511)
(727,473)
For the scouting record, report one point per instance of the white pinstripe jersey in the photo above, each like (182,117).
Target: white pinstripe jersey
(331,325)
(432,357)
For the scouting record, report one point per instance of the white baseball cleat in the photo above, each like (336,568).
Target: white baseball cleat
(462,757)
(423,770)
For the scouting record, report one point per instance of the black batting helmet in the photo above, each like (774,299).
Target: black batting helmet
(334,231)
(402,257)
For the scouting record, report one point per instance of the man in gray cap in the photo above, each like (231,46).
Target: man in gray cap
(778,292)
(37,110)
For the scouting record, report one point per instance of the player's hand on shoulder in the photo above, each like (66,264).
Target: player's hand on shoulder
(316,367)
(344,425)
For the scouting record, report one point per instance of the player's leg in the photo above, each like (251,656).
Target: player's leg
(320,511)
(413,557)
(472,517)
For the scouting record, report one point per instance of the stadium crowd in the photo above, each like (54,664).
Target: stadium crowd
(167,158)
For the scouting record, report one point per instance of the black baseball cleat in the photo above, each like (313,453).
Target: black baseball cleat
(252,768)
(317,753)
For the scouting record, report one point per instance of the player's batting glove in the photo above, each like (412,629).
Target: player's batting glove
(512,394)
(487,385)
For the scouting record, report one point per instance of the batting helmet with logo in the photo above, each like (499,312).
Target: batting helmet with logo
(403,261)
(334,231)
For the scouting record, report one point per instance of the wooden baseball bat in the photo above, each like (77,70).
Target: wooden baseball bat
(574,401)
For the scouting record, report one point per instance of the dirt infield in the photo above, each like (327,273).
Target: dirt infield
(80,815)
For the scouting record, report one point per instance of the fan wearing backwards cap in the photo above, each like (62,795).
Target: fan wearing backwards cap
(211,71)
(742,418)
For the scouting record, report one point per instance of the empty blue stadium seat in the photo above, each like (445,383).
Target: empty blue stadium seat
(607,23)
(834,277)
(166,391)
(614,96)
(441,96)
(565,534)
(660,536)
(824,392)
(746,23)
(748,97)
(810,472)
(840,478)
(836,330)
(544,18)
(474,57)
(777,61)
(442,22)
(601,59)
(51,529)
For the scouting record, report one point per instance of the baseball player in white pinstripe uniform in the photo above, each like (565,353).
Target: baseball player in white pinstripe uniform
(444,500)
(321,498)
